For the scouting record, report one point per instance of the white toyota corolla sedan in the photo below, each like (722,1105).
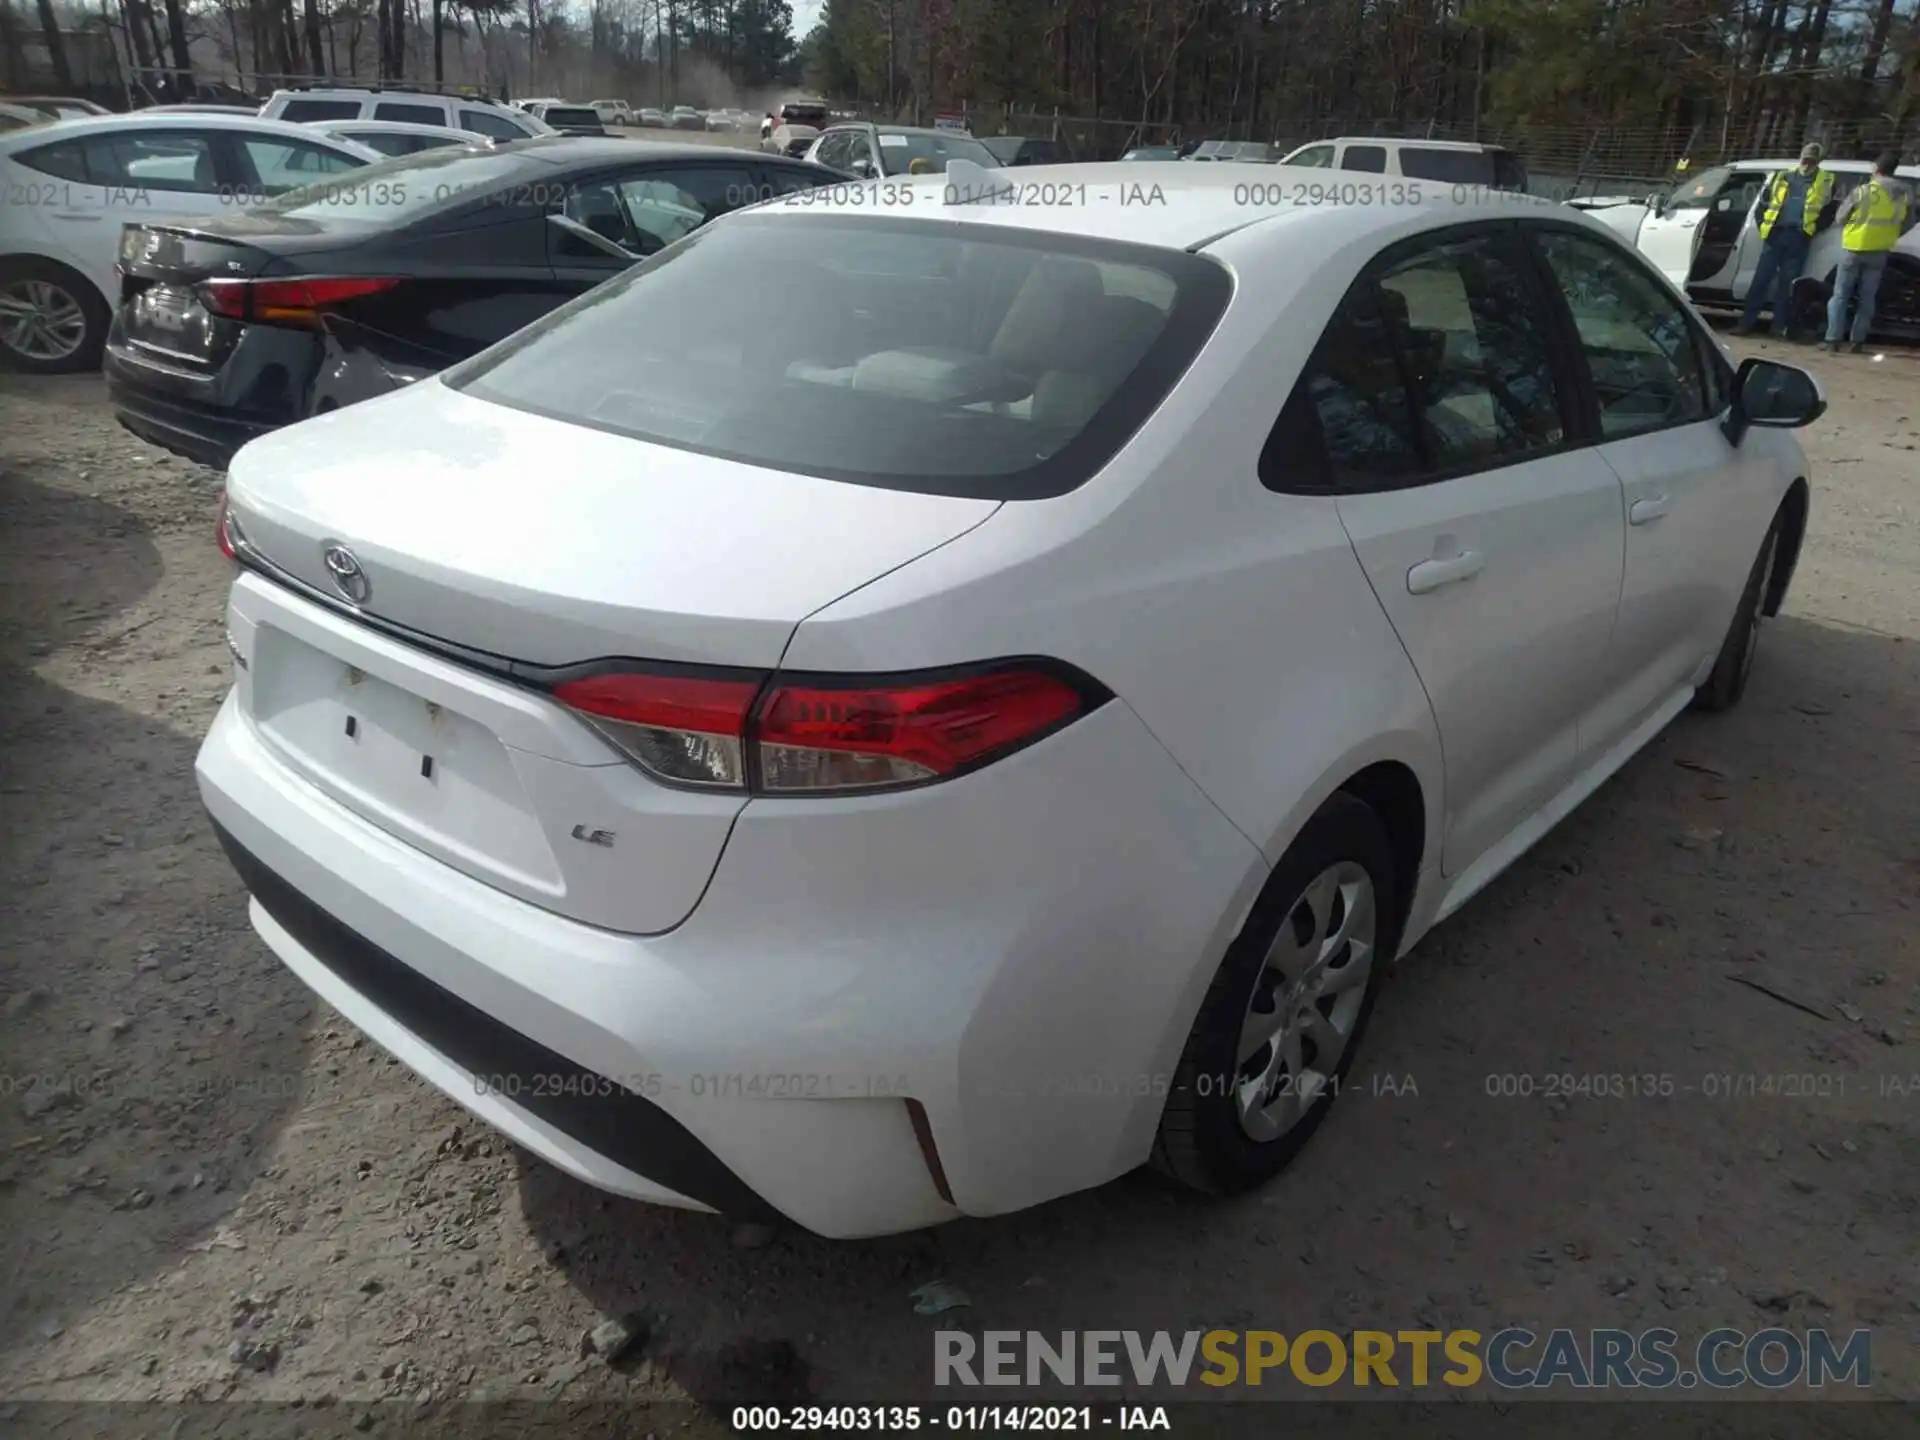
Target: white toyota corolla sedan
(911,702)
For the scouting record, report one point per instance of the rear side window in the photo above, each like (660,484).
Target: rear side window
(1370,158)
(1452,167)
(1508,172)
(1001,364)
(410,114)
(497,127)
(63,162)
(299,112)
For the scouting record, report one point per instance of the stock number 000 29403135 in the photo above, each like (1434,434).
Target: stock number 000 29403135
(959,1418)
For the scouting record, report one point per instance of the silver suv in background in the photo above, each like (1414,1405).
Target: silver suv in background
(305,104)
(1445,162)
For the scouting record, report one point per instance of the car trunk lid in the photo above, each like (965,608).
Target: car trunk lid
(164,263)
(530,545)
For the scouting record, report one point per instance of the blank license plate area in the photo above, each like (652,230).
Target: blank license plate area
(420,771)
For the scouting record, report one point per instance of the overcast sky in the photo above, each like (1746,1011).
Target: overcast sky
(806,15)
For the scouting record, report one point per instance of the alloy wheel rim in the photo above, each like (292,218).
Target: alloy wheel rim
(1305,1003)
(41,320)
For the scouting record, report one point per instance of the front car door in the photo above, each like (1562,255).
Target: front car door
(1696,506)
(1669,238)
(1491,535)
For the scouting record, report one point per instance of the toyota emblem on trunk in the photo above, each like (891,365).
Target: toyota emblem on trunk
(345,572)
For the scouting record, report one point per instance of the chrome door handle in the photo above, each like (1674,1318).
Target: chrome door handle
(1430,575)
(1645,512)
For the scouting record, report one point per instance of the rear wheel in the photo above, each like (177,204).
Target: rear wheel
(52,320)
(1282,1021)
(1731,670)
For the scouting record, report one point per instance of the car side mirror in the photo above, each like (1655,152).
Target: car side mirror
(860,165)
(1774,396)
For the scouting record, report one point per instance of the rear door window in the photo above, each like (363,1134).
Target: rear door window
(299,112)
(410,114)
(877,350)
(1370,158)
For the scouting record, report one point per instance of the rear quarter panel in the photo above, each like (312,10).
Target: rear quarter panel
(1235,622)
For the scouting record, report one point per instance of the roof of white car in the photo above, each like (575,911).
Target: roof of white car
(1474,146)
(399,127)
(1850,167)
(177,120)
(1158,202)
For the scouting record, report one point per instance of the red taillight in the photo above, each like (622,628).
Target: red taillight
(686,729)
(823,735)
(288,302)
(846,737)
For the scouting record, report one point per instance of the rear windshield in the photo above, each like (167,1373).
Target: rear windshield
(814,115)
(898,152)
(1000,364)
(1497,169)
(398,190)
(300,112)
(570,115)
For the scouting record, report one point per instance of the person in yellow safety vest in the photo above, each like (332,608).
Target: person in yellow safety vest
(1789,215)
(1871,220)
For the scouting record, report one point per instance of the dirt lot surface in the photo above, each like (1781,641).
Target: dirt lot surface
(233,1195)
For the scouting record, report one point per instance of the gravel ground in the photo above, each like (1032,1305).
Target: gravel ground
(239,1197)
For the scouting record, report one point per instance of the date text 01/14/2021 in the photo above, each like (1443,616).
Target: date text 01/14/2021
(962,1419)
(700,1085)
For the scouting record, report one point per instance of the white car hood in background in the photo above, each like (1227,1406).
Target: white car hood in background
(553,543)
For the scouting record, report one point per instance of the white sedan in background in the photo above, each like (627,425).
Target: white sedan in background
(71,185)
(399,137)
(992,689)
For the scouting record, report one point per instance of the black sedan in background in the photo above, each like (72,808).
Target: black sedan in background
(230,326)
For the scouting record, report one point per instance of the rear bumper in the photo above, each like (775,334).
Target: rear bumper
(1021,957)
(207,417)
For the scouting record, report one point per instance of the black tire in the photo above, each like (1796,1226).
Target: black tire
(1202,1142)
(1731,669)
(93,307)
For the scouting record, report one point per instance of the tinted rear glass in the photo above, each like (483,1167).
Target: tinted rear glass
(299,112)
(1003,364)
(410,114)
(898,152)
(569,115)
(1499,169)
(396,191)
